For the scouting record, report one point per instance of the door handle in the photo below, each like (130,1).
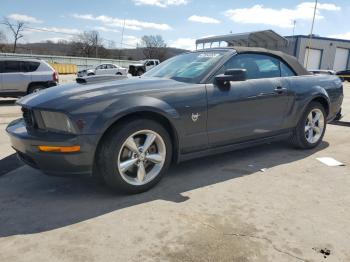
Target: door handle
(280,89)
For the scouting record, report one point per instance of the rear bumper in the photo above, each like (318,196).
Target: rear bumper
(26,143)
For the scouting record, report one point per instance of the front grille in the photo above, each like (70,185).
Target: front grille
(28,117)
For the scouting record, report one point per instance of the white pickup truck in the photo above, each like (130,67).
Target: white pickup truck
(143,66)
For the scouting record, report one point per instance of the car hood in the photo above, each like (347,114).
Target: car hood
(71,96)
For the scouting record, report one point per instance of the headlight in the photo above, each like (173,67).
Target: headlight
(57,121)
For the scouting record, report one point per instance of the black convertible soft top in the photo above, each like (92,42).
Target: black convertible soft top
(290,60)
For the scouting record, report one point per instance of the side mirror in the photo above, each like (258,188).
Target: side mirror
(231,75)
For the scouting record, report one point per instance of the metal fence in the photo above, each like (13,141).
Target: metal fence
(81,62)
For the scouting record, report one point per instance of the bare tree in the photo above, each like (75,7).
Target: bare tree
(88,43)
(3,41)
(153,46)
(16,30)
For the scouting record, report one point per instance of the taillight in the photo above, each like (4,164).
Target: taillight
(55,76)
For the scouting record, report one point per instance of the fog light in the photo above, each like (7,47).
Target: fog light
(60,149)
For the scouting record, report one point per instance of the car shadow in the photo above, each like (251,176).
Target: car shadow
(31,202)
(9,163)
(8,102)
(340,123)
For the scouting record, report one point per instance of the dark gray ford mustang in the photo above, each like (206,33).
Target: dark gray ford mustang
(127,132)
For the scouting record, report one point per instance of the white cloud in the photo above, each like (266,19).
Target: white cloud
(130,41)
(105,29)
(203,19)
(117,22)
(258,14)
(341,36)
(184,43)
(24,18)
(161,3)
(56,30)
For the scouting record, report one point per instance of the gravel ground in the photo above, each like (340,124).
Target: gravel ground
(221,208)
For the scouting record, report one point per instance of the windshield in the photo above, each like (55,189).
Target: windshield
(189,68)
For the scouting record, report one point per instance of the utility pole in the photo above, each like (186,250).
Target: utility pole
(311,33)
(294,25)
(122,39)
(96,41)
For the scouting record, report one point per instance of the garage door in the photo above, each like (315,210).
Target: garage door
(314,59)
(341,59)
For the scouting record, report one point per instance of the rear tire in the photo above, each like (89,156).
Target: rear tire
(310,131)
(127,163)
(34,89)
(119,74)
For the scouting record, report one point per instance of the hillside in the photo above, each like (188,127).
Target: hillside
(68,49)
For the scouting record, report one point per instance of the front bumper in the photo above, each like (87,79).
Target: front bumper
(26,143)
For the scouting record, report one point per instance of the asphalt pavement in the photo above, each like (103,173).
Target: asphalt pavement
(267,203)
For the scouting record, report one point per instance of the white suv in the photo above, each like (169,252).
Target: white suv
(19,77)
(104,69)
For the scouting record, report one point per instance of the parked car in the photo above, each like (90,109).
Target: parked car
(104,69)
(127,132)
(344,75)
(142,67)
(322,72)
(19,77)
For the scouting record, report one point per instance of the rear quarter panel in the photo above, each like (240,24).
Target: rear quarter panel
(43,73)
(304,89)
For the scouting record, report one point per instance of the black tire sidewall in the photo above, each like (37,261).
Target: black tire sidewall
(301,125)
(110,152)
(32,88)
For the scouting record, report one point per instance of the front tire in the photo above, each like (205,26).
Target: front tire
(311,127)
(134,157)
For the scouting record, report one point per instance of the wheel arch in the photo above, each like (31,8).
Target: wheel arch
(37,83)
(144,114)
(323,101)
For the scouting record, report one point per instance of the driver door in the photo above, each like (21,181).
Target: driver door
(251,109)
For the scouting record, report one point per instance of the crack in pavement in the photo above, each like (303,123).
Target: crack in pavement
(252,236)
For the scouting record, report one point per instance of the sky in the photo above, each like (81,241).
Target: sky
(179,22)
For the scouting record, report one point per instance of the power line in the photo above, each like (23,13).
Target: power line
(65,33)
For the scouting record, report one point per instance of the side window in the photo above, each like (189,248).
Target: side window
(258,66)
(268,67)
(149,63)
(286,70)
(12,67)
(2,64)
(29,66)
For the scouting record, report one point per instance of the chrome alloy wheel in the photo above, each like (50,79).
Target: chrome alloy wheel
(141,157)
(314,126)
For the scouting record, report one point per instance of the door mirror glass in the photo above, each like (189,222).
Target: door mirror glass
(232,75)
